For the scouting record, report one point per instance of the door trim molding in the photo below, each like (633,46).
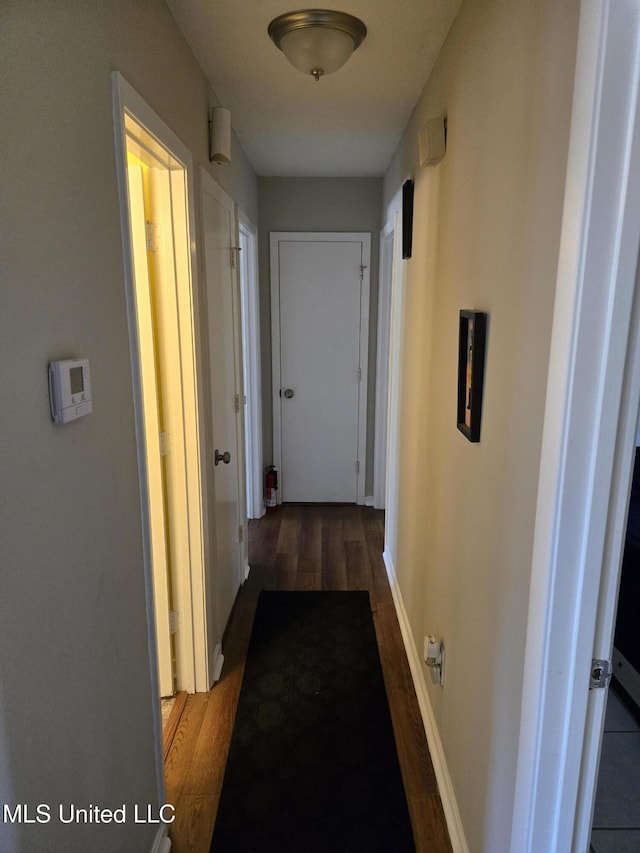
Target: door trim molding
(321,236)
(210,186)
(385,279)
(252,376)
(396,326)
(587,425)
(126,101)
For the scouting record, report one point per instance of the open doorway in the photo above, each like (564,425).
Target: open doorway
(156,339)
(387,243)
(162,285)
(396,324)
(155,179)
(250,320)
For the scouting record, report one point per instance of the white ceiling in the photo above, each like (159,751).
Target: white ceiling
(347,124)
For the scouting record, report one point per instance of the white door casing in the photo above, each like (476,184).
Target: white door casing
(250,314)
(387,238)
(589,432)
(143,134)
(396,325)
(320,322)
(130,110)
(219,248)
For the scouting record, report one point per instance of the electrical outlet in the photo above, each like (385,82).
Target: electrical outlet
(433,654)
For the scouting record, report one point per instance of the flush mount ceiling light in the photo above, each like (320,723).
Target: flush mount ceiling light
(317,41)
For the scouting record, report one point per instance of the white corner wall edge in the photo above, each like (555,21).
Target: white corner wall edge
(161,844)
(445,785)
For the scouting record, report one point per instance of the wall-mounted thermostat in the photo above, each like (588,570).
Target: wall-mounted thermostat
(69,389)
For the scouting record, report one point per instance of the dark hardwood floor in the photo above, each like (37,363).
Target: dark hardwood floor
(301,547)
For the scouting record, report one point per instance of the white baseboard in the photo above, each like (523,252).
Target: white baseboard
(247,569)
(218,662)
(368,501)
(161,843)
(445,785)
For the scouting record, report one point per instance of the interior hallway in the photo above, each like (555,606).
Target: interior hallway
(302,548)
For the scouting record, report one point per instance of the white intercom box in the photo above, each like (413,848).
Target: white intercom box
(69,389)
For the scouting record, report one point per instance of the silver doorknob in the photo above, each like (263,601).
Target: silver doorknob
(288,393)
(223,457)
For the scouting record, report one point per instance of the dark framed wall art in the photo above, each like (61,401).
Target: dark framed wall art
(471,349)
(407,219)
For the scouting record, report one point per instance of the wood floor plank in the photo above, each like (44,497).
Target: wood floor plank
(169,731)
(358,568)
(334,565)
(352,524)
(192,829)
(285,571)
(302,547)
(178,762)
(310,550)
(308,581)
(426,812)
(289,534)
(212,746)
(262,540)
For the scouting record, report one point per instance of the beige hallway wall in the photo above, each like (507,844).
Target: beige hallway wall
(486,237)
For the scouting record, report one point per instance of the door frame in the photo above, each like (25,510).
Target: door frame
(396,326)
(321,237)
(148,336)
(250,316)
(589,429)
(194,677)
(385,289)
(209,185)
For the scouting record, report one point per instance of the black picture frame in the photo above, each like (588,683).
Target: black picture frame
(407,219)
(471,357)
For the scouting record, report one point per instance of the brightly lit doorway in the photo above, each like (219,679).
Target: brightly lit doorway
(155,179)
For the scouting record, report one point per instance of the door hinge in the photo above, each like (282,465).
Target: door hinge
(357,467)
(237,403)
(241,533)
(359,374)
(174,622)
(601,671)
(154,236)
(165,444)
(362,269)
(233,250)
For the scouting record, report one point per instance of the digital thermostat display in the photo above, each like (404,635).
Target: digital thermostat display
(69,389)
(76,380)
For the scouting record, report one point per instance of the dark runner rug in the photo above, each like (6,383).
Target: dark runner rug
(312,765)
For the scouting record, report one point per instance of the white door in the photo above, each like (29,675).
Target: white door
(226,394)
(320,307)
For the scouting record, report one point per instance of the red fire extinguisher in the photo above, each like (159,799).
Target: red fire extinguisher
(271,484)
